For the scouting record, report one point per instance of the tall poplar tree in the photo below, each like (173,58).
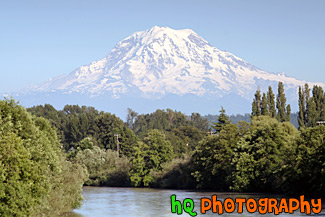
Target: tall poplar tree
(307,93)
(310,107)
(322,115)
(281,103)
(318,95)
(256,105)
(303,105)
(311,113)
(302,108)
(264,109)
(271,102)
(288,112)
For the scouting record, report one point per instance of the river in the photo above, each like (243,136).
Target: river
(145,202)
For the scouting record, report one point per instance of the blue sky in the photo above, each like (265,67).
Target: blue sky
(43,39)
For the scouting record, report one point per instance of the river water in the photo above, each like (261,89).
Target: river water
(145,202)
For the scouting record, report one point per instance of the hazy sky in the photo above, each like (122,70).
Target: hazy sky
(43,39)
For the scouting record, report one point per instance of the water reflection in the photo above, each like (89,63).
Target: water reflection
(144,202)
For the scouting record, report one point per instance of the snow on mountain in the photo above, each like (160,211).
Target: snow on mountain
(163,60)
(160,62)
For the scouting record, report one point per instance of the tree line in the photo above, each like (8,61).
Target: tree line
(169,149)
(146,141)
(42,149)
(311,108)
(271,105)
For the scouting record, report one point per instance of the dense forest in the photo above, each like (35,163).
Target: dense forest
(46,155)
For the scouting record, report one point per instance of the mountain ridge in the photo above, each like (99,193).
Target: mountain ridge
(154,63)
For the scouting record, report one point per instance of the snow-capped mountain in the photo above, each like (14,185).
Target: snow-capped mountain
(161,61)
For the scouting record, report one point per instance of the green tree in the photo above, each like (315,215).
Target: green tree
(311,109)
(271,102)
(184,139)
(302,108)
(148,156)
(104,167)
(127,139)
(309,174)
(75,123)
(159,150)
(307,100)
(141,125)
(243,127)
(47,111)
(281,103)
(175,174)
(223,120)
(33,166)
(311,112)
(199,122)
(264,108)
(288,113)
(138,171)
(318,96)
(160,120)
(17,170)
(107,125)
(256,105)
(84,144)
(262,156)
(212,159)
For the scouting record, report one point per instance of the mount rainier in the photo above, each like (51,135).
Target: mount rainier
(162,68)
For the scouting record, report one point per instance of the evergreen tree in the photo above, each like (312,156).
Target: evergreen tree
(281,103)
(271,102)
(223,120)
(256,105)
(264,109)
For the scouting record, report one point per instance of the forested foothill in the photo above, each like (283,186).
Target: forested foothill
(46,155)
